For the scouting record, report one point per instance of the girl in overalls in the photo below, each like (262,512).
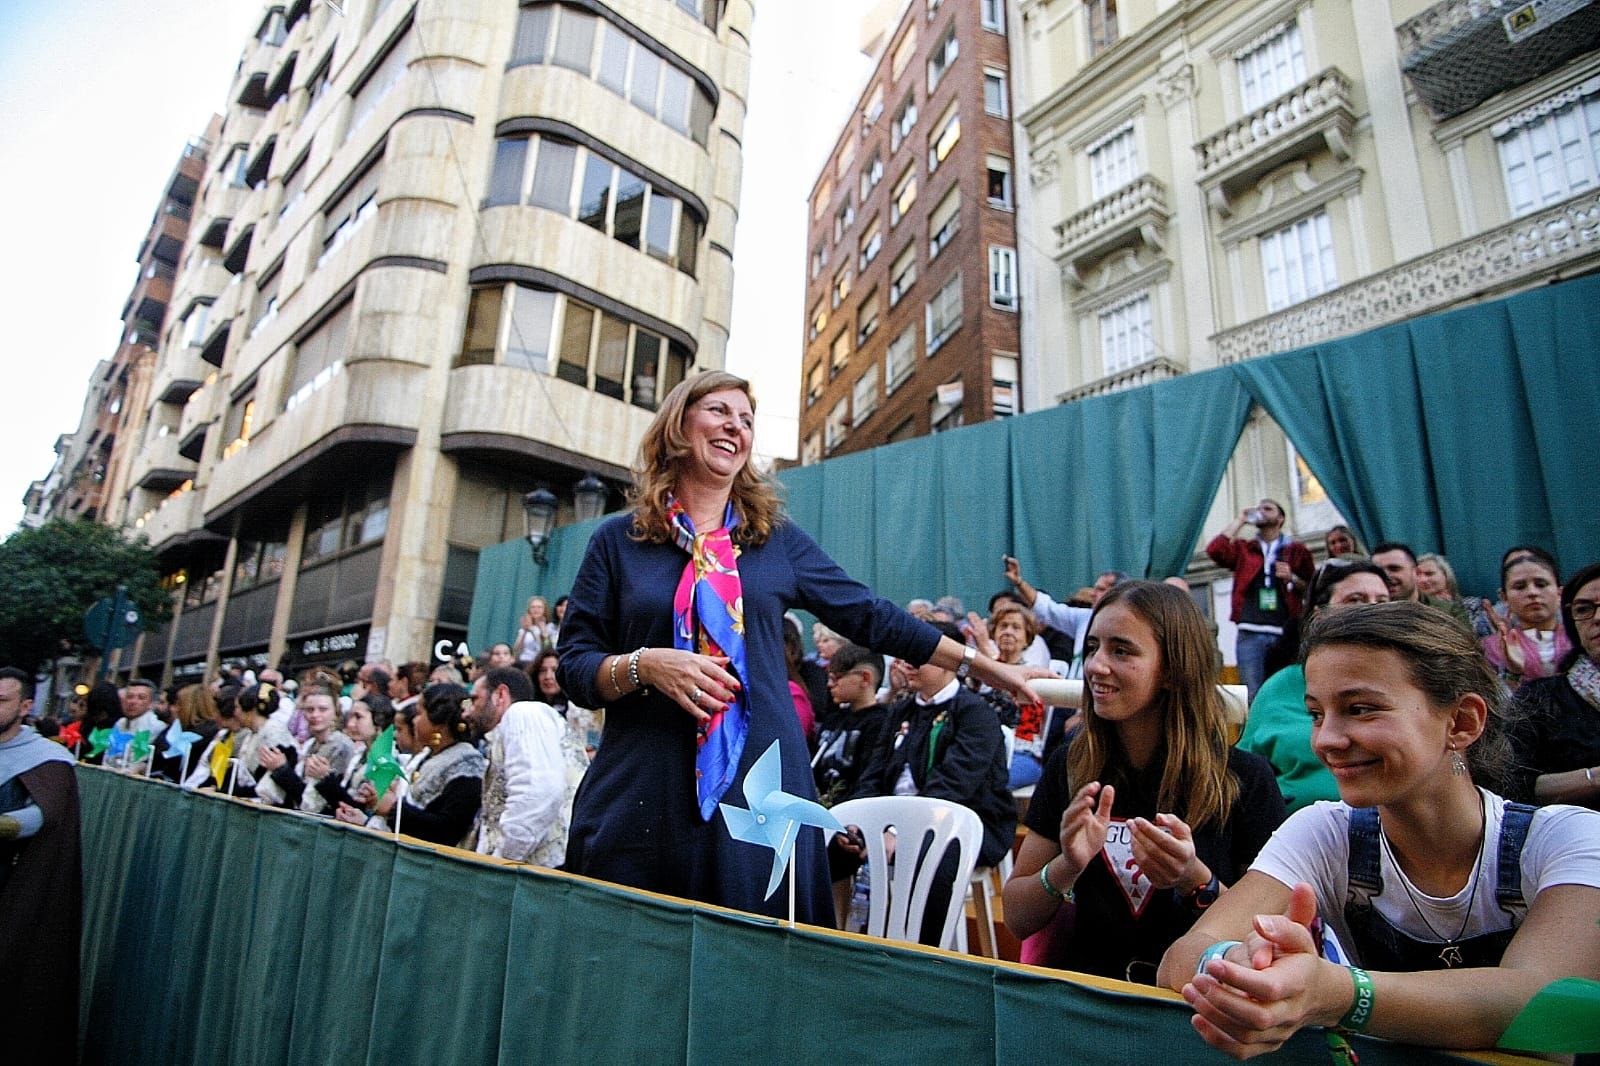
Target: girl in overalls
(1422,907)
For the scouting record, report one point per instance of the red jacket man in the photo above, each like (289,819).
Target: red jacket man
(1263,599)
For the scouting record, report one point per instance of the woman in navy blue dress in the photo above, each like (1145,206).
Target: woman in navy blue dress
(674,626)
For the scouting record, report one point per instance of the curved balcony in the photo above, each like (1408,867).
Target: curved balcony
(198,414)
(207,281)
(158,466)
(1132,215)
(520,411)
(177,516)
(1315,114)
(180,372)
(255,68)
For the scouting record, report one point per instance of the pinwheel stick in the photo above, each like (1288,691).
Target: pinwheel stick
(183,769)
(233,774)
(791,892)
(399,804)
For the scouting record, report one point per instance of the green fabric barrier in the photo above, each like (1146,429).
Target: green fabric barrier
(219,932)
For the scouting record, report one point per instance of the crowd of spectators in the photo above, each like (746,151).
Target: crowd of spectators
(1147,777)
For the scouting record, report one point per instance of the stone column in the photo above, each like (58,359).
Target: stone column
(283,602)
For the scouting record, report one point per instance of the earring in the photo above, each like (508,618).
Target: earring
(1458,765)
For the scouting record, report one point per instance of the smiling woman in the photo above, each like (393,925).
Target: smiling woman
(1419,868)
(674,626)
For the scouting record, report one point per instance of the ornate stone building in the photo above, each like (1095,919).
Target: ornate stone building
(1214,180)
(445,252)
(911,292)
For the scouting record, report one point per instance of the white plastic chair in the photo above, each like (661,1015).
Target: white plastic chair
(897,906)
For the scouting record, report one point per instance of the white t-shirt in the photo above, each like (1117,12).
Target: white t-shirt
(1313,845)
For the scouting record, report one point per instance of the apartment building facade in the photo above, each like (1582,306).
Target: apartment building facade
(90,475)
(911,281)
(1213,180)
(445,253)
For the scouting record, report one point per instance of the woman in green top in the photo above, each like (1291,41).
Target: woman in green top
(1279,728)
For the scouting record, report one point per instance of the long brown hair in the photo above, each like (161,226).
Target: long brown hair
(194,704)
(663,448)
(1195,782)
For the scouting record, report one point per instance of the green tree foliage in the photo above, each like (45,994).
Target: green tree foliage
(51,575)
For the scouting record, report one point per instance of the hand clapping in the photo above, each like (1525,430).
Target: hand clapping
(1164,850)
(1084,825)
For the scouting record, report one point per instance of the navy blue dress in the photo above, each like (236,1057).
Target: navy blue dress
(635,819)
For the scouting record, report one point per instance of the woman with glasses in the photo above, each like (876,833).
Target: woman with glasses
(1555,721)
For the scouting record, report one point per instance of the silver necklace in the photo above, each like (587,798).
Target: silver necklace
(1450,953)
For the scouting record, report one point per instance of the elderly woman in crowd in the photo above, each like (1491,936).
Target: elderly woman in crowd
(1443,908)
(1530,642)
(1437,578)
(1007,636)
(446,792)
(675,626)
(1555,721)
(325,751)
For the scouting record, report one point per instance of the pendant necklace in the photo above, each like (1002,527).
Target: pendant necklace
(1450,953)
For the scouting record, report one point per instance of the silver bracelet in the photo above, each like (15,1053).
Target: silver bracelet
(1588,774)
(968,654)
(633,668)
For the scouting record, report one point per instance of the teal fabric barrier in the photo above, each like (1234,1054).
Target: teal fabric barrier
(218,932)
(1464,432)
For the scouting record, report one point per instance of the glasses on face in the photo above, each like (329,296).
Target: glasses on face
(1583,610)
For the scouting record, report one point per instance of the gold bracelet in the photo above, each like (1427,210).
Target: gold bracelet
(616,689)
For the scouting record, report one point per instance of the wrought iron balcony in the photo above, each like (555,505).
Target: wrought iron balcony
(1314,114)
(1132,215)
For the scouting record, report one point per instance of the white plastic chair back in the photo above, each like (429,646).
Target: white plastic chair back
(897,906)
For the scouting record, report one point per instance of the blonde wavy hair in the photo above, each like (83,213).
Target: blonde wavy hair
(1196,784)
(663,449)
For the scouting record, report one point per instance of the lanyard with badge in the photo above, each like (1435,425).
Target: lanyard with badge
(1267,595)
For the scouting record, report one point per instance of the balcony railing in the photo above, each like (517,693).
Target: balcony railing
(1537,244)
(158,466)
(1313,114)
(1147,373)
(1136,213)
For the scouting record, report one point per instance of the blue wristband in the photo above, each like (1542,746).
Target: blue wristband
(1215,951)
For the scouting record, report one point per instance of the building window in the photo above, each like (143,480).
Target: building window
(839,354)
(867,318)
(944,408)
(819,205)
(903,196)
(348,213)
(903,274)
(1127,334)
(871,175)
(994,15)
(838,424)
(819,258)
(294,186)
(873,111)
(1102,24)
(609,197)
(236,167)
(843,218)
(1003,385)
(814,383)
(901,358)
(905,120)
(622,63)
(841,286)
(194,325)
(944,139)
(944,313)
(365,97)
(944,222)
(1297,261)
(1271,68)
(871,244)
(1003,278)
(318,357)
(864,397)
(943,55)
(240,423)
(996,100)
(998,182)
(847,155)
(819,319)
(1113,162)
(812,451)
(358,516)
(1550,153)
(266,302)
(903,53)
(516,325)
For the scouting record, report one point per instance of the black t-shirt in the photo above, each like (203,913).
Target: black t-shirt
(1118,917)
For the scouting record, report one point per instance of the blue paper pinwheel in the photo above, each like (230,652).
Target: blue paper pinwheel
(179,741)
(774,817)
(119,743)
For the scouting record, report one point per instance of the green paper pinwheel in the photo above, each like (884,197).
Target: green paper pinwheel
(139,747)
(774,817)
(382,766)
(99,741)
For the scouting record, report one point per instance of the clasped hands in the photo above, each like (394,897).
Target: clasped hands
(1163,847)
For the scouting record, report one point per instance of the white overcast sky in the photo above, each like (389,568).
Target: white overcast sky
(100,96)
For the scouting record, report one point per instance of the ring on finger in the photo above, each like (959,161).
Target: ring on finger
(695,694)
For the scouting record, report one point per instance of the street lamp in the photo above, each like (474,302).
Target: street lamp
(589,498)
(539,510)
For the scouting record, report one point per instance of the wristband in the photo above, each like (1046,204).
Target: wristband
(1360,1012)
(1215,951)
(633,668)
(1052,890)
(968,654)
(1203,896)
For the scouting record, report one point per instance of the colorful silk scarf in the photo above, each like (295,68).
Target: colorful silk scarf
(708,618)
